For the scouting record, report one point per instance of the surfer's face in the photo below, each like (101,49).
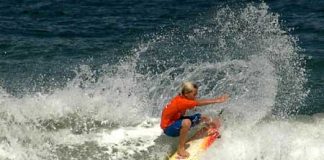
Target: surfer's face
(192,95)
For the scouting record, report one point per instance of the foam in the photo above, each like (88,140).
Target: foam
(271,140)
(5,153)
(130,139)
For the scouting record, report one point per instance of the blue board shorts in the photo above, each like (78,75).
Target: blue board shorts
(174,129)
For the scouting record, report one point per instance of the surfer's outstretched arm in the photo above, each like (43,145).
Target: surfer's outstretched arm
(221,99)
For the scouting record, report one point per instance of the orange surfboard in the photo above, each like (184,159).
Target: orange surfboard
(198,145)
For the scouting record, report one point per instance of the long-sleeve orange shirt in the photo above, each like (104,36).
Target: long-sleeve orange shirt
(175,109)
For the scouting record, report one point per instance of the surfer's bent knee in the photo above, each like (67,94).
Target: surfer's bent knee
(186,123)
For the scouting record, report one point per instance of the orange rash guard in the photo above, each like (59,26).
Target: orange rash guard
(175,109)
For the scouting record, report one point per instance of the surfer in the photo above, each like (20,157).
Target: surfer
(174,122)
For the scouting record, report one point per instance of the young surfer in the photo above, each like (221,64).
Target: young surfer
(174,122)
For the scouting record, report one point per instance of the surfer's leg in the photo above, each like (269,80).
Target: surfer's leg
(199,134)
(186,123)
(210,122)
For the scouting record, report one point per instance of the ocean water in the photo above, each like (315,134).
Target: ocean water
(88,79)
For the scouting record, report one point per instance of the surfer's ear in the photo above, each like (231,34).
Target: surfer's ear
(195,85)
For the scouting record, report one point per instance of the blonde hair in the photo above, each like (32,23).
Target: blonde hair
(187,87)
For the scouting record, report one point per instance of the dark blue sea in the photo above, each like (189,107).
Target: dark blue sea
(87,80)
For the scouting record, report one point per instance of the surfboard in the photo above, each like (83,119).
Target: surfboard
(198,144)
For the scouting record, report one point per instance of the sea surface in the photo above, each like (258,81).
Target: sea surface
(87,80)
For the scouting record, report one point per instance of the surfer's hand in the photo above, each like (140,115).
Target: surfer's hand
(222,98)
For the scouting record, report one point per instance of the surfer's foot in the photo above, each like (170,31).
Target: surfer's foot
(214,132)
(183,153)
